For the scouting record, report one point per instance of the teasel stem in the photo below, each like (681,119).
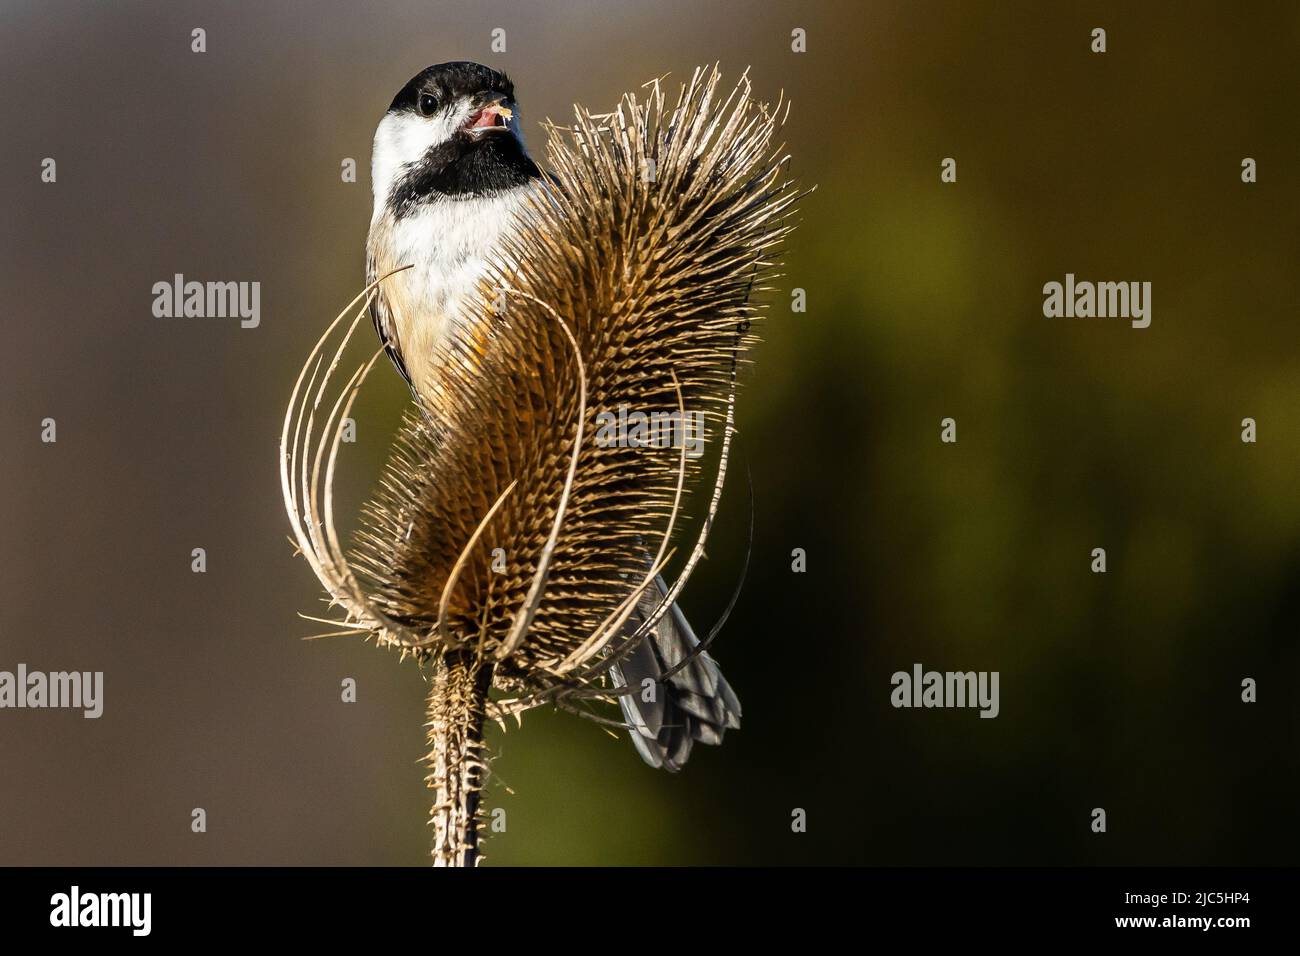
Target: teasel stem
(457,757)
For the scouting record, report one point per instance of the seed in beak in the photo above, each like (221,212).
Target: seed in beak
(489,117)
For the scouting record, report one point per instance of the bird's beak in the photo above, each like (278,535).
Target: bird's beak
(492,113)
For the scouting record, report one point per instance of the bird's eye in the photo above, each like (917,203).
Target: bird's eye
(428,103)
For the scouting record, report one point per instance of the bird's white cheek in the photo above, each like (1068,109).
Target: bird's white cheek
(402,139)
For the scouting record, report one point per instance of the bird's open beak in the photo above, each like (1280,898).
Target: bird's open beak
(492,114)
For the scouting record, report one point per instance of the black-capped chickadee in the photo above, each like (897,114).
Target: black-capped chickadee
(449,173)
(448,170)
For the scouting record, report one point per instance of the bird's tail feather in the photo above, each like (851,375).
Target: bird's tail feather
(666,717)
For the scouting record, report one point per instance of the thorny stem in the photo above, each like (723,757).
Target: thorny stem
(457,757)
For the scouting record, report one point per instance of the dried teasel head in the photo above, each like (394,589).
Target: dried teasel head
(510,545)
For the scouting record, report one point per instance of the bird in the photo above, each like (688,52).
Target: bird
(451,176)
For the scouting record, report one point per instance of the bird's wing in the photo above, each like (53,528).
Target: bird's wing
(384,322)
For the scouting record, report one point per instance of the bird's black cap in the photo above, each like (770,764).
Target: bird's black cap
(446,81)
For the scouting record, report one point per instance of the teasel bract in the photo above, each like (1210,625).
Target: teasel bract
(508,549)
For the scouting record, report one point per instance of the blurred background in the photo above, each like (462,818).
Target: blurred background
(1119,690)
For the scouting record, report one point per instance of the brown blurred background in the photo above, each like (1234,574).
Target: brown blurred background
(924,301)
